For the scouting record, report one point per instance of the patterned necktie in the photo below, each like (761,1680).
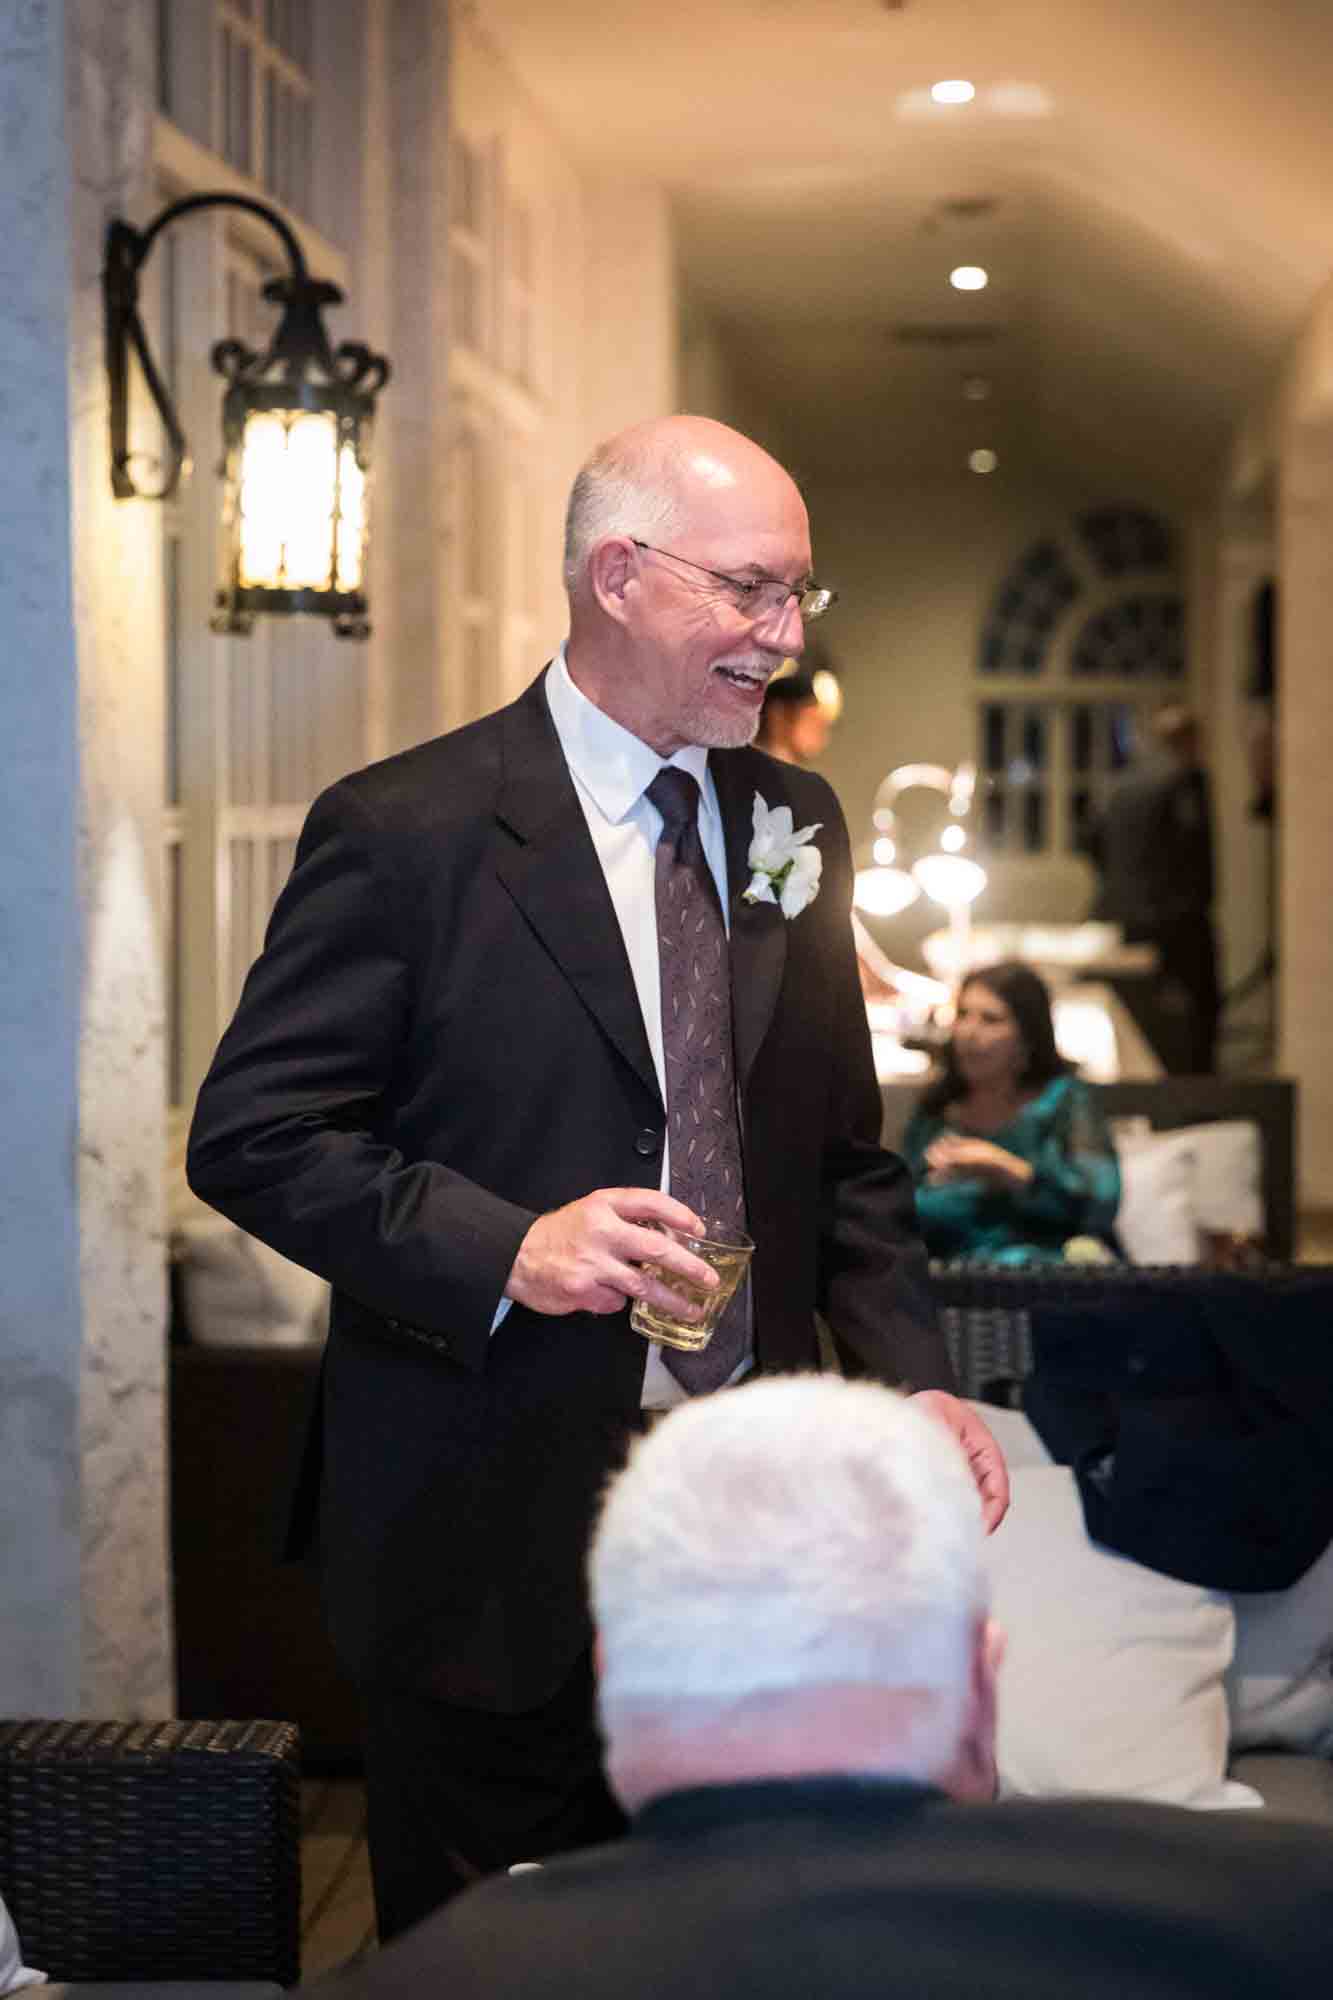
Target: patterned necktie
(704,1132)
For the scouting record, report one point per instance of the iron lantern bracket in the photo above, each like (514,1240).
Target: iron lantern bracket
(300,346)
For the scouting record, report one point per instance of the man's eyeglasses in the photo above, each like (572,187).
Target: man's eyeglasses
(758,596)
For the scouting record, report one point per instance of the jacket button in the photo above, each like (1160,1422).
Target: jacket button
(647,1142)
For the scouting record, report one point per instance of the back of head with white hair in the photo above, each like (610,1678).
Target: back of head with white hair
(801,1534)
(627,487)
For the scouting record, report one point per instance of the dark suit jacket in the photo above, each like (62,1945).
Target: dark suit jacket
(1154,848)
(440,1041)
(1198,1416)
(837,1890)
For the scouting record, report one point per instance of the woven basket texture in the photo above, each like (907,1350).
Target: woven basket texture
(986,1309)
(153,1850)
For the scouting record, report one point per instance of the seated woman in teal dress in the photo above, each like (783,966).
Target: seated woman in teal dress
(1010,1153)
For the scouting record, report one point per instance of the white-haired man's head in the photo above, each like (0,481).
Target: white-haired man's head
(788,1580)
(671,528)
(630,486)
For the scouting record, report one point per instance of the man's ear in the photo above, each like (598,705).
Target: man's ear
(612,574)
(972,1777)
(598,1657)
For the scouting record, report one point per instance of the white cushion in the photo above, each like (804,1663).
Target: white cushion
(1280,1684)
(1228,1192)
(1112,1681)
(14,1974)
(1156,1219)
(236,1291)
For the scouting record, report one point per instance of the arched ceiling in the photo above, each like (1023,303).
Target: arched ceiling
(1146,180)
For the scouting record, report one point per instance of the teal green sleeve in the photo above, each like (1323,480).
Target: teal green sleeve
(949,1213)
(1075,1186)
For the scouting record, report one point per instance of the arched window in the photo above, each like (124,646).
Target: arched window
(1084,637)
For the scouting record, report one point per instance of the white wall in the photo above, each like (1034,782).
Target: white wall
(1286,442)
(608,340)
(630,342)
(1305,746)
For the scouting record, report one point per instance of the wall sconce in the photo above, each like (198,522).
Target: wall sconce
(296,430)
(948,876)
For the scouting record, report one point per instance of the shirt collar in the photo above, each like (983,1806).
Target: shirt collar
(613,766)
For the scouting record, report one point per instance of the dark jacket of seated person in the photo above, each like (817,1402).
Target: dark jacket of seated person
(1008,1149)
(798,1710)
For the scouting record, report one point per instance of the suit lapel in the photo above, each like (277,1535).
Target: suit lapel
(758,930)
(553,874)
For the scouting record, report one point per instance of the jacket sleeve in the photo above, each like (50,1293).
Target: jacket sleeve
(873,1285)
(288,1137)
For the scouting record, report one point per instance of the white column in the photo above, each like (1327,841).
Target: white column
(402,262)
(1305,791)
(40,1631)
(82,1433)
(117,559)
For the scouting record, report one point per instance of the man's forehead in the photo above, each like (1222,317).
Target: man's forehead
(749,524)
(713,475)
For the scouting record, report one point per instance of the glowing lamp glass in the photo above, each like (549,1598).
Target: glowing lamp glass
(286,500)
(351,521)
(953,90)
(950,879)
(884,892)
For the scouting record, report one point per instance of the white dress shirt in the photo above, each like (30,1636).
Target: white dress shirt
(612,769)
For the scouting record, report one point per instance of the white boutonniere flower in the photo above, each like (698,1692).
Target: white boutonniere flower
(785,868)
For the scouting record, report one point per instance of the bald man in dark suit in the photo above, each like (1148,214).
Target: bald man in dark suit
(448,1089)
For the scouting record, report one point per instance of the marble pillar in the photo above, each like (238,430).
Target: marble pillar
(82,1417)
(40,1321)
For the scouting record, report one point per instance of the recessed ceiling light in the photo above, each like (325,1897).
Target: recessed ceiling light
(984,460)
(953,90)
(969,278)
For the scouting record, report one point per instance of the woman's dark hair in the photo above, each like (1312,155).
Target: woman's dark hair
(1025,994)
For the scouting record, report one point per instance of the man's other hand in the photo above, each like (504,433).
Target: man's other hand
(588,1256)
(983,1454)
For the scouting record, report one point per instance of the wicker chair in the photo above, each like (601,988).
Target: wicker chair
(986,1310)
(153,1850)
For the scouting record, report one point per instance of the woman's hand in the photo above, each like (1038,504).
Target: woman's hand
(952,1157)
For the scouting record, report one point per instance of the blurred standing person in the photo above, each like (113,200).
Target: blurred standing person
(801,705)
(1154,851)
